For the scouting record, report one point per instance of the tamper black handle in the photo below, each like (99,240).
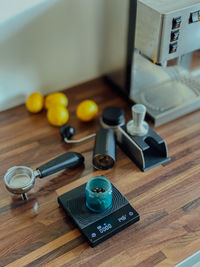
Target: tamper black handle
(64,161)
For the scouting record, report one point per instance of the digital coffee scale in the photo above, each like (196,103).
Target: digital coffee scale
(97,227)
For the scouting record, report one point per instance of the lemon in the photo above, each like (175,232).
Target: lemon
(57,115)
(87,110)
(56,99)
(35,102)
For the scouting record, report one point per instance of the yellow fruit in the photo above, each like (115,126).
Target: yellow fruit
(87,110)
(57,115)
(35,102)
(56,99)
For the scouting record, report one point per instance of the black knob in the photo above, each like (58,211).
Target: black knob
(67,131)
(113,116)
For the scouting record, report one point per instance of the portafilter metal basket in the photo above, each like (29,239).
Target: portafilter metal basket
(20,179)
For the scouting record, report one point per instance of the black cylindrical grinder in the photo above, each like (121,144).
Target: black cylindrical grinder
(104,153)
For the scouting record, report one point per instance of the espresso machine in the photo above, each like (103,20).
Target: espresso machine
(152,58)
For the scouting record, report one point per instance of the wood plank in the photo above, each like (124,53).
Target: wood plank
(38,232)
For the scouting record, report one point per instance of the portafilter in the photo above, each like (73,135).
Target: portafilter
(20,179)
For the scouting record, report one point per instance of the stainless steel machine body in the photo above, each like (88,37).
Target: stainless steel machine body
(166,30)
(156,71)
(161,24)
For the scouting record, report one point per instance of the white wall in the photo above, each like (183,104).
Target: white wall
(51,45)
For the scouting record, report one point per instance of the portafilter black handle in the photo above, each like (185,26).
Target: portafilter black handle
(64,161)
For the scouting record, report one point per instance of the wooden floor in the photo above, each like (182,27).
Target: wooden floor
(38,233)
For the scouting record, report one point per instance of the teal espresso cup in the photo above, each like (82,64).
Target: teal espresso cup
(98,194)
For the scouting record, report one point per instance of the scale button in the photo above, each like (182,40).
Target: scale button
(195,16)
(130,213)
(176,23)
(174,35)
(173,47)
(93,235)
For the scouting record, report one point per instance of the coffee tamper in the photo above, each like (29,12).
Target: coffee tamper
(140,142)
(138,126)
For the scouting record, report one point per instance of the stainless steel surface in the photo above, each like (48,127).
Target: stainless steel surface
(19,179)
(168,6)
(158,87)
(37,173)
(138,126)
(154,27)
(153,82)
